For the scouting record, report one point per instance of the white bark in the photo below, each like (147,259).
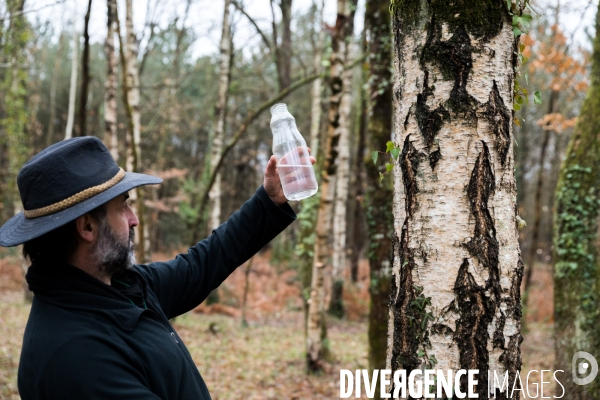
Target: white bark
(73,87)
(321,272)
(315,113)
(110,85)
(220,113)
(343,175)
(455,199)
(134,155)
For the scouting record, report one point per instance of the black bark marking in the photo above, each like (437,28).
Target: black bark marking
(483,244)
(478,304)
(476,312)
(500,119)
(409,163)
(434,157)
(430,121)
(454,58)
(405,342)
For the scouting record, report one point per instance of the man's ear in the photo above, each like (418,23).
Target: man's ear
(87,228)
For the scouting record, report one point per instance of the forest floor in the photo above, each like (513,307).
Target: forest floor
(265,360)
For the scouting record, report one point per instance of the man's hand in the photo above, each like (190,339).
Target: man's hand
(272,184)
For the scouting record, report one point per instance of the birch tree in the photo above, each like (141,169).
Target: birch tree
(576,282)
(131,99)
(110,85)
(85,69)
(322,268)
(220,114)
(73,84)
(455,301)
(315,113)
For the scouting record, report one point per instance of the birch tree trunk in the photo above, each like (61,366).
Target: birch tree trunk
(576,278)
(110,85)
(220,114)
(455,300)
(317,350)
(85,76)
(73,87)
(378,198)
(315,113)
(340,226)
(131,98)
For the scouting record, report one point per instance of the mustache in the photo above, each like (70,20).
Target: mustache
(131,234)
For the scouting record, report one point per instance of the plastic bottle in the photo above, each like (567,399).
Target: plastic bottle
(293,160)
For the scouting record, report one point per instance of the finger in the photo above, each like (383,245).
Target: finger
(271,169)
(313,160)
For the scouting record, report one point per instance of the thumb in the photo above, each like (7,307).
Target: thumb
(271,167)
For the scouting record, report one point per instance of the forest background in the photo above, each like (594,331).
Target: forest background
(53,51)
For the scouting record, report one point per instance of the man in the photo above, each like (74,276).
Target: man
(99,325)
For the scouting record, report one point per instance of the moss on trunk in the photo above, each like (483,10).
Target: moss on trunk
(576,272)
(379,198)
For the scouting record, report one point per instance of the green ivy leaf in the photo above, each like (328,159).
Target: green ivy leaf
(395,152)
(389,167)
(516,31)
(516,107)
(374,156)
(389,146)
(537,97)
(380,177)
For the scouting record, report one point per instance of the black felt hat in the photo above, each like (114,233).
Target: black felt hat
(63,182)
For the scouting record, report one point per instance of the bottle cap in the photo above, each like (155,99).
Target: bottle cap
(278,108)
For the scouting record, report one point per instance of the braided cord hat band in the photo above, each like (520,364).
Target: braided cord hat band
(76,198)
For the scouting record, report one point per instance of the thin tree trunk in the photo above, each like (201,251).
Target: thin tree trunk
(220,114)
(131,98)
(53,86)
(315,114)
(73,87)
(339,259)
(110,85)
(85,76)
(13,134)
(285,54)
(576,277)
(455,291)
(317,350)
(378,197)
(537,210)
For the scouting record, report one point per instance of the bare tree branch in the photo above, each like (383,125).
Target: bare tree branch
(241,9)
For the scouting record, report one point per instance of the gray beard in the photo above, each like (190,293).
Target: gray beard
(113,254)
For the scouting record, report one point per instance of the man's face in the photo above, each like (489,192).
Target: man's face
(114,245)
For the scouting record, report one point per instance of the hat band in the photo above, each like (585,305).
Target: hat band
(76,198)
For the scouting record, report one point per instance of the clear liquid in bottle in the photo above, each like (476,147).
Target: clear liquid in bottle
(296,172)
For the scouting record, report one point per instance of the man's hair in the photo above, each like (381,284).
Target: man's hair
(56,246)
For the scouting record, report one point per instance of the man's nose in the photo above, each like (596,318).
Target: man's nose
(133,220)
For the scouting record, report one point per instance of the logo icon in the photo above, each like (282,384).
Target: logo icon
(579,367)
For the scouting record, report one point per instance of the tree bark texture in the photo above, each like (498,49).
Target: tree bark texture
(322,268)
(131,99)
(339,260)
(315,113)
(457,269)
(220,114)
(576,277)
(73,85)
(378,198)
(85,75)
(110,85)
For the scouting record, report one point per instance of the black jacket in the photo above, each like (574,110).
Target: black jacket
(88,340)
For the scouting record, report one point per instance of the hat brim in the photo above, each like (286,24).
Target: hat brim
(19,229)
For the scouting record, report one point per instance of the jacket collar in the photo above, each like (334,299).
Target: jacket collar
(71,288)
